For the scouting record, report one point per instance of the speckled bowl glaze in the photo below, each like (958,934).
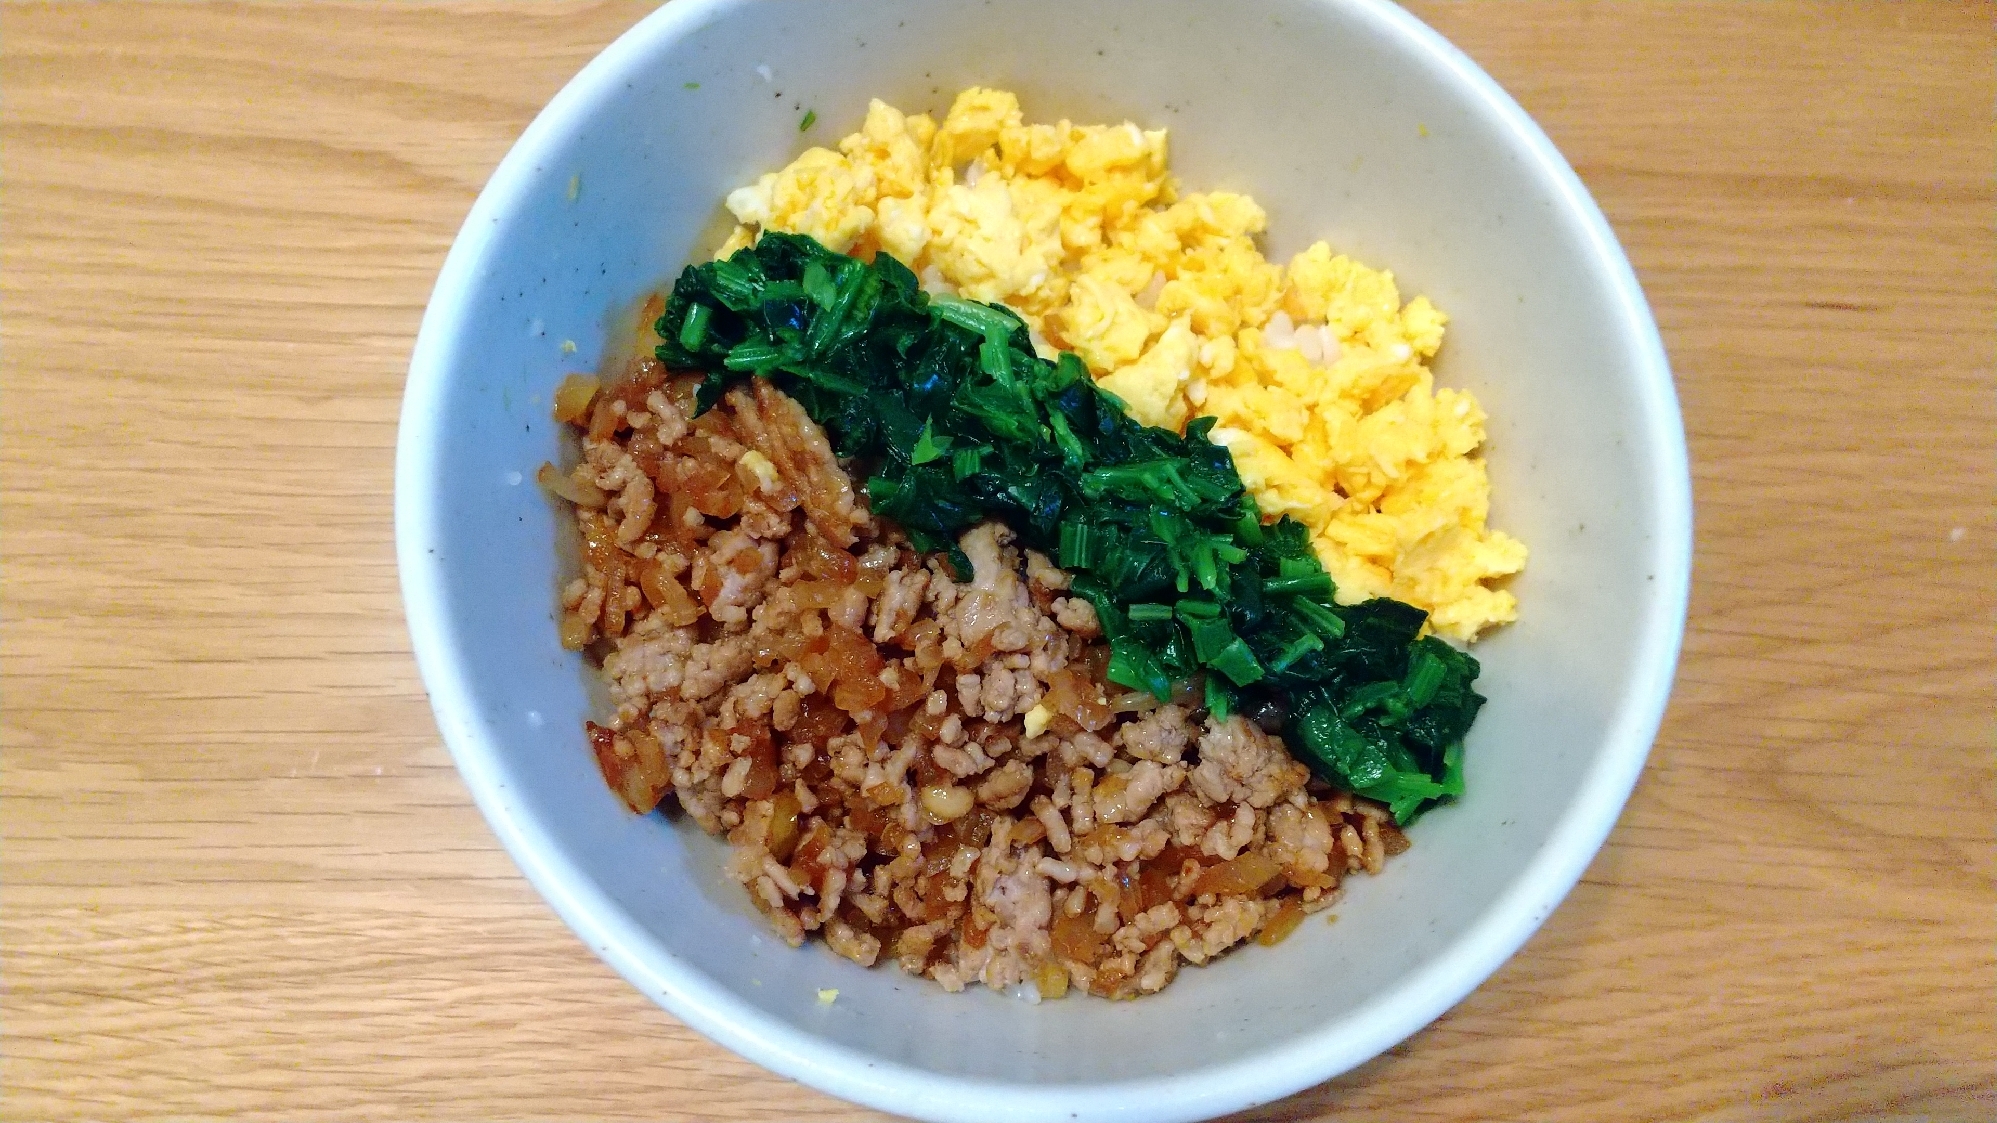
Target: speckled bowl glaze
(1348,120)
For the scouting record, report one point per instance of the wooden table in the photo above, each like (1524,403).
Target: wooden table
(241,876)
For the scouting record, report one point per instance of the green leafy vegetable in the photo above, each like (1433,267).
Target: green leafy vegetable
(955,419)
(929,446)
(810,119)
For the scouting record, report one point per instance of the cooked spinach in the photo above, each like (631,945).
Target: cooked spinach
(955,419)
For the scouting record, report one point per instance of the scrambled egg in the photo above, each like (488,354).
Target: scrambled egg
(1315,370)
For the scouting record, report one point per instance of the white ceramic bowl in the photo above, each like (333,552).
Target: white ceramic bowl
(1348,120)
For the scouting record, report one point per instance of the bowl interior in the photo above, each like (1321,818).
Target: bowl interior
(1347,121)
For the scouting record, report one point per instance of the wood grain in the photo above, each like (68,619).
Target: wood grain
(241,877)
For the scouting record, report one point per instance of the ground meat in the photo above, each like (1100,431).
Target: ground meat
(1004,789)
(1240,763)
(1124,797)
(787,672)
(900,600)
(735,566)
(860,947)
(1161,735)
(1077,616)
(636,502)
(1042,572)
(778,428)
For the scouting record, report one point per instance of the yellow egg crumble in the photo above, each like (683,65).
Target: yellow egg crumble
(1315,371)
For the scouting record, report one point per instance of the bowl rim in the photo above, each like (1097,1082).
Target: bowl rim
(833,1067)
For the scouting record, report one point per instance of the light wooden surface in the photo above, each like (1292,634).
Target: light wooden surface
(241,876)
